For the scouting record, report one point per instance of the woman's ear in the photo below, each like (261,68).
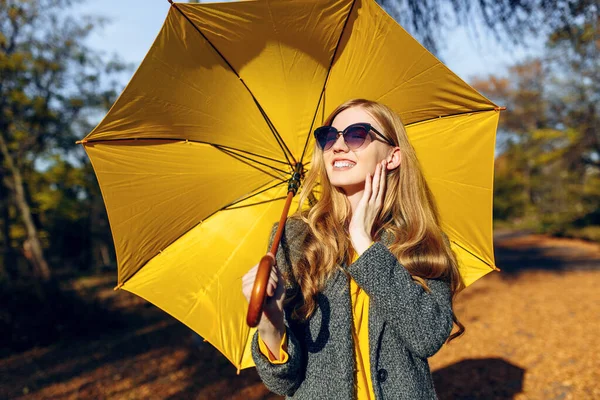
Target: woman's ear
(394,159)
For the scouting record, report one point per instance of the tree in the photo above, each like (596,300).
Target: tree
(574,60)
(48,81)
(515,20)
(549,163)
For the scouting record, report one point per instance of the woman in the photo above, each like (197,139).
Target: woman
(362,295)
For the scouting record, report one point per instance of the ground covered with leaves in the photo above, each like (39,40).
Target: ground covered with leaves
(531,334)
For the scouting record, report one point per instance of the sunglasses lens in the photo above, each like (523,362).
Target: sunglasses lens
(326,137)
(355,136)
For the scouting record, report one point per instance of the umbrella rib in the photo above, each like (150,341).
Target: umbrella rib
(191,141)
(322,95)
(245,160)
(497,109)
(255,204)
(474,255)
(227,207)
(199,223)
(286,151)
(250,153)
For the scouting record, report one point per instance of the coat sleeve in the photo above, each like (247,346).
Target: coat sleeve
(422,319)
(285,378)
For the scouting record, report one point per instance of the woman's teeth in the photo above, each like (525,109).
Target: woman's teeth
(343,164)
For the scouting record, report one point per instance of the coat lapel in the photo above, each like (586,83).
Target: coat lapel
(376,323)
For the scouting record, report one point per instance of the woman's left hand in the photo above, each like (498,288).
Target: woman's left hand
(367,209)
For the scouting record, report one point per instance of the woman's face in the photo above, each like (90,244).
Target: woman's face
(347,169)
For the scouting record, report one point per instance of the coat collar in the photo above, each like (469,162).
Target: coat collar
(387,237)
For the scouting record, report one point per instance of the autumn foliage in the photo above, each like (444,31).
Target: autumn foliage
(548,163)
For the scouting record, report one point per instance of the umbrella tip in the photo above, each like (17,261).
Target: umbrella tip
(170,1)
(83,141)
(119,286)
(499,108)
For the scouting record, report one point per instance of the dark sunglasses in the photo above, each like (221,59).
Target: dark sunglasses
(354,135)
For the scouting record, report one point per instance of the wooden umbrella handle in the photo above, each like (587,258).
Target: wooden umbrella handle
(259,291)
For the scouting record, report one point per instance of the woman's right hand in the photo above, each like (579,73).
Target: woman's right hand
(271,321)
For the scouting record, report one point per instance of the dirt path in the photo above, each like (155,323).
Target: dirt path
(531,334)
(532,329)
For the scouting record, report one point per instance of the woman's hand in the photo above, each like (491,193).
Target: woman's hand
(271,321)
(367,209)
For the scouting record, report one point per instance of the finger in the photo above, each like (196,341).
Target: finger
(367,192)
(274,279)
(382,182)
(376,180)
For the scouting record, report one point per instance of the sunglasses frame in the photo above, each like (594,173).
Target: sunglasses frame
(365,125)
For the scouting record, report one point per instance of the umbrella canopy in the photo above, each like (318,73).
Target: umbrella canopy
(193,158)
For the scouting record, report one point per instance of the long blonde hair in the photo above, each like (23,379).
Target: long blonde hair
(409,213)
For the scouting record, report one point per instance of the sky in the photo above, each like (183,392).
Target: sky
(134,25)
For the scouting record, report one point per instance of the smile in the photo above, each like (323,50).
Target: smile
(342,164)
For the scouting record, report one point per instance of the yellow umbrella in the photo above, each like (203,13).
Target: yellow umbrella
(194,157)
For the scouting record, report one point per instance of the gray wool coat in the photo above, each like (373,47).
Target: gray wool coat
(406,326)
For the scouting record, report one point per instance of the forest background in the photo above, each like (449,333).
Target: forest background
(54,88)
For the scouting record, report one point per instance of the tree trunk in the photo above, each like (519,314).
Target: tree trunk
(8,265)
(33,245)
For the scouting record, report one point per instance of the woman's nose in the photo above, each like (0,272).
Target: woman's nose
(340,144)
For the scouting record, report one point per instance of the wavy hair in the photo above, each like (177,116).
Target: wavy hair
(408,213)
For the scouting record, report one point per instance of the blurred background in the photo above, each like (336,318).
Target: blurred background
(64,332)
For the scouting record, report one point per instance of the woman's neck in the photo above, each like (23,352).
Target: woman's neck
(354,199)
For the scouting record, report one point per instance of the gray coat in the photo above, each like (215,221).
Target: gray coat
(406,326)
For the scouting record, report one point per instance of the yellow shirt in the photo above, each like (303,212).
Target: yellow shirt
(360,335)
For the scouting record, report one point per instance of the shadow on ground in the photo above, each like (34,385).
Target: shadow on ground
(487,378)
(517,252)
(213,377)
(126,346)
(121,343)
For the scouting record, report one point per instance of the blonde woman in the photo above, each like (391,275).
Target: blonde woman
(363,292)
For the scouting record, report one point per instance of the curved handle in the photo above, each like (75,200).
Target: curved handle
(259,291)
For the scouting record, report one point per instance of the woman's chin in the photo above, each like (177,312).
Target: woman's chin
(349,188)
